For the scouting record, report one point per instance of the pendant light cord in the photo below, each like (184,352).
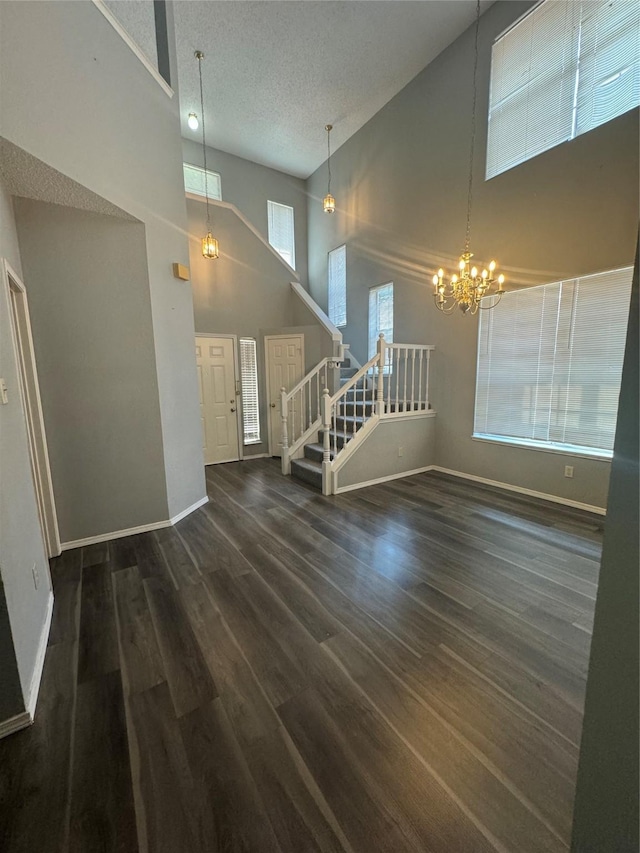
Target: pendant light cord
(473,129)
(329,159)
(200,57)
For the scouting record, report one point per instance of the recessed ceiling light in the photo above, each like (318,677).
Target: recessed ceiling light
(192,121)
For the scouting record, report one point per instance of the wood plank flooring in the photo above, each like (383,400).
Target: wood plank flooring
(400,668)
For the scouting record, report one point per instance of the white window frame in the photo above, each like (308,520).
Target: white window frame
(375,328)
(563,346)
(250,391)
(337,286)
(564,68)
(194,183)
(286,249)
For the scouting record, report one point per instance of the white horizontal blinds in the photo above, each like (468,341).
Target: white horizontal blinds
(565,68)
(281,231)
(609,78)
(194,181)
(550,363)
(589,359)
(250,401)
(515,364)
(533,71)
(380,316)
(337,286)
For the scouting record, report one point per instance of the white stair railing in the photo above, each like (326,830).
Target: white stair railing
(301,408)
(394,383)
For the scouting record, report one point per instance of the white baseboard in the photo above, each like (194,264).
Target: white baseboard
(598,510)
(131,531)
(340,489)
(31,700)
(188,510)
(14,724)
(26,718)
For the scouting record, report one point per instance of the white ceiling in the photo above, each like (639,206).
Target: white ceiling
(276,72)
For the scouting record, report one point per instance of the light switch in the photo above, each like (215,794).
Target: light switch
(3,392)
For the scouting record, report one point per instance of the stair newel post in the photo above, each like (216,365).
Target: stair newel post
(284,432)
(380,386)
(326,439)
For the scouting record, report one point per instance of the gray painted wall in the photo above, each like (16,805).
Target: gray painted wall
(22,608)
(111,127)
(249,186)
(606,807)
(400,185)
(377,456)
(88,285)
(247,292)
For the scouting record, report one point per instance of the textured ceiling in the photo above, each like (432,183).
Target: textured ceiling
(276,72)
(28,177)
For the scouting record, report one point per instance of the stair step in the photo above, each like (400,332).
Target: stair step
(336,439)
(349,423)
(315,452)
(308,471)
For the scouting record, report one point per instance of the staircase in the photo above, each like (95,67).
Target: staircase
(352,415)
(321,431)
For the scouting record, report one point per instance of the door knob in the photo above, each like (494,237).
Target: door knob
(273,405)
(233,410)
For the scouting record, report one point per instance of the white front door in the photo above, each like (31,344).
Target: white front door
(215,359)
(285,368)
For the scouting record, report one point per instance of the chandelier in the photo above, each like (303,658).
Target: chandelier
(469,285)
(209,242)
(329,202)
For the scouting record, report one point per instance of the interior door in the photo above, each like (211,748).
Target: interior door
(285,368)
(215,358)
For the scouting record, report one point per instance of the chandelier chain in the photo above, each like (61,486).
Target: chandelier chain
(200,57)
(329,158)
(473,129)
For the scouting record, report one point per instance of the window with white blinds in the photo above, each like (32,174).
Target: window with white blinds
(337,286)
(565,68)
(194,182)
(281,232)
(550,364)
(250,401)
(380,316)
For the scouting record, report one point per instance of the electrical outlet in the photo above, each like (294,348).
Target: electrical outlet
(401,451)
(568,470)
(36,578)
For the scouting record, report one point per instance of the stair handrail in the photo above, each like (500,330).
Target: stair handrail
(327,363)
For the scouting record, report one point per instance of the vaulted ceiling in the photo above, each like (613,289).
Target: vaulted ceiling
(275,73)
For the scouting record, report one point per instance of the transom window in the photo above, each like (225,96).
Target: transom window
(194,182)
(550,365)
(337,286)
(281,231)
(564,68)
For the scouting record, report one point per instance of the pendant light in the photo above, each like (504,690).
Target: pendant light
(329,202)
(209,242)
(468,286)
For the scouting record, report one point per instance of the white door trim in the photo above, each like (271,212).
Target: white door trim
(236,371)
(268,338)
(32,407)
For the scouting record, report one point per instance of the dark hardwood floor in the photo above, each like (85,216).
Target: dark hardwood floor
(400,668)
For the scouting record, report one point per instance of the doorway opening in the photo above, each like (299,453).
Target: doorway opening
(32,407)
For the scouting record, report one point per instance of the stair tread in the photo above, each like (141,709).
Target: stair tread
(309,464)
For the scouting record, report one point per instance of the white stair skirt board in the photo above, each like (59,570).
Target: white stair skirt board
(338,490)
(26,718)
(131,531)
(598,510)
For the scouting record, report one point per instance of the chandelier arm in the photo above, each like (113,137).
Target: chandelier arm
(496,296)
